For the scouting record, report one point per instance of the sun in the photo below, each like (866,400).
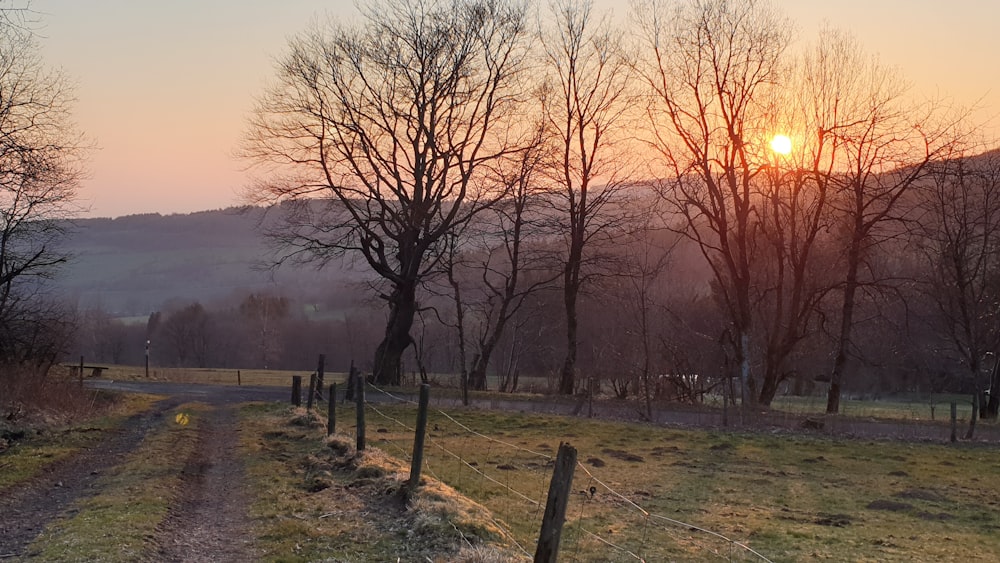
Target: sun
(781,144)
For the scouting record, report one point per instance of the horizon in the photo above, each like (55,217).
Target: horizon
(165,90)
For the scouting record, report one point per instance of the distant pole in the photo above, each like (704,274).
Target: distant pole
(349,395)
(81,370)
(590,397)
(312,391)
(418,437)
(239,379)
(147,359)
(954,421)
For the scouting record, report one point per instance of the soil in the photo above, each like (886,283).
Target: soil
(210,522)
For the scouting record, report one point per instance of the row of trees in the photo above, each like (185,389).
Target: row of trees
(442,136)
(255,331)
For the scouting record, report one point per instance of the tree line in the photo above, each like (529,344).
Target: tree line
(472,151)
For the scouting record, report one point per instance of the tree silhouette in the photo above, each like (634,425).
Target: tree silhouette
(377,134)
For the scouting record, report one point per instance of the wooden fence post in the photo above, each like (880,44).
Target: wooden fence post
(331,413)
(418,438)
(349,395)
(297,390)
(81,371)
(954,421)
(239,379)
(359,398)
(312,391)
(547,549)
(320,369)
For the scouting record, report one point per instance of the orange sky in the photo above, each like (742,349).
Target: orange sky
(164,87)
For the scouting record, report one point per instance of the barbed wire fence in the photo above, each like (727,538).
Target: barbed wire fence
(511,480)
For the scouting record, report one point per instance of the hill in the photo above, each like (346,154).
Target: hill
(133,265)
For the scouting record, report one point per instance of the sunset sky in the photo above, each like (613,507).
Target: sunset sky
(164,88)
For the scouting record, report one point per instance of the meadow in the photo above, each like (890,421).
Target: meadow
(657,494)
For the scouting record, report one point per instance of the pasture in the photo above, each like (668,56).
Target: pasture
(658,494)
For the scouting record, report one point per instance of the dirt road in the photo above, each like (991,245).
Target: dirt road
(210,522)
(25,510)
(205,525)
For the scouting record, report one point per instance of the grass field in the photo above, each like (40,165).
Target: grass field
(208,376)
(641,491)
(899,407)
(650,492)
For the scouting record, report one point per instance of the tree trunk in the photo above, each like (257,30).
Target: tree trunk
(567,378)
(846,324)
(571,288)
(477,375)
(992,408)
(975,412)
(768,389)
(480,363)
(747,387)
(389,355)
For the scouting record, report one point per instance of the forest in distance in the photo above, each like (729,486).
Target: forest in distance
(191,284)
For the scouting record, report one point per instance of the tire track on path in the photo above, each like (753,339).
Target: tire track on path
(209,522)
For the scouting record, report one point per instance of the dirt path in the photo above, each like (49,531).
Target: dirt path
(210,522)
(26,509)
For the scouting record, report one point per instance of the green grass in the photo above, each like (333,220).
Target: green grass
(210,376)
(901,407)
(790,497)
(117,523)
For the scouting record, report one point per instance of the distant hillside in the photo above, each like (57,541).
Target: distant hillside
(134,265)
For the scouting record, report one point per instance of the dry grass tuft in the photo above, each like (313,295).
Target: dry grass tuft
(37,398)
(352,505)
(437,506)
(306,419)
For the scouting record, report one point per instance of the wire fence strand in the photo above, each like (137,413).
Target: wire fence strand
(670,526)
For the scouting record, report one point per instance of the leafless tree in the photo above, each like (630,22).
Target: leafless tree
(585,99)
(379,132)
(503,261)
(711,66)
(960,242)
(263,316)
(647,257)
(792,271)
(187,336)
(41,163)
(883,145)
